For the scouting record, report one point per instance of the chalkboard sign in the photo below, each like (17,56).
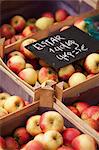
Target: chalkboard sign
(64,47)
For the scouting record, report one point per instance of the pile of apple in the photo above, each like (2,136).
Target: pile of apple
(32,69)
(47,132)
(90,114)
(9,104)
(20,28)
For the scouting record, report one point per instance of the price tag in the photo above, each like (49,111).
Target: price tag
(64,47)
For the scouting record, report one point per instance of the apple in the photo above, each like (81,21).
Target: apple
(52,140)
(2,143)
(33,125)
(28,65)
(47,73)
(61,15)
(39,138)
(65,148)
(3,112)
(30,21)
(21,135)
(51,120)
(25,51)
(13,39)
(33,145)
(64,28)
(18,23)
(81,24)
(3,98)
(7,42)
(93,123)
(90,76)
(76,78)
(65,72)
(74,110)
(65,85)
(92,63)
(26,103)
(81,106)
(44,22)
(29,75)
(43,63)
(29,30)
(14,103)
(89,112)
(84,142)
(95,116)
(69,134)
(19,37)
(16,64)
(7,31)
(15,53)
(11,143)
(48,14)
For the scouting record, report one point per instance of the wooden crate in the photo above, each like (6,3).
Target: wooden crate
(38,111)
(9,84)
(91,96)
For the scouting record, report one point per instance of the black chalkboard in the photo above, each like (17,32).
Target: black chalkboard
(64,47)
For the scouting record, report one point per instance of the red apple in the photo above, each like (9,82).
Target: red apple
(11,143)
(15,53)
(90,76)
(89,112)
(7,42)
(92,63)
(65,148)
(2,143)
(76,78)
(7,31)
(47,73)
(33,145)
(51,120)
(25,51)
(61,15)
(29,30)
(29,75)
(84,142)
(18,23)
(69,134)
(16,64)
(93,123)
(19,37)
(26,103)
(52,140)
(65,72)
(81,106)
(48,14)
(21,135)
(74,110)
(13,39)
(33,125)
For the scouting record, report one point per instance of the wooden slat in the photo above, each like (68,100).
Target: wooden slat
(93,3)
